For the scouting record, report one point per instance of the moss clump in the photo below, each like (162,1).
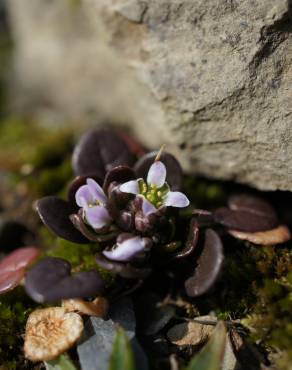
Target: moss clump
(45,154)
(271,318)
(81,256)
(51,180)
(203,193)
(15,307)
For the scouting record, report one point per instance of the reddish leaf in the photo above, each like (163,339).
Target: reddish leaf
(13,266)
(19,259)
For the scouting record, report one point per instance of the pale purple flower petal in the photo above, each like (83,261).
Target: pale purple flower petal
(96,191)
(126,250)
(131,187)
(83,196)
(156,174)
(97,217)
(148,207)
(176,199)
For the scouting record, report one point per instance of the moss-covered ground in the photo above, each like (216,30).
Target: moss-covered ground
(255,289)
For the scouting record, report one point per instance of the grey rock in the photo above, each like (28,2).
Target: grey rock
(95,346)
(210,78)
(132,10)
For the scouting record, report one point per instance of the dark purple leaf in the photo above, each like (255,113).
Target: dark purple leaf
(78,222)
(77,183)
(119,175)
(173,168)
(191,242)
(244,220)
(55,214)
(50,281)
(118,200)
(144,224)
(100,150)
(125,270)
(134,145)
(209,266)
(252,204)
(203,217)
(125,220)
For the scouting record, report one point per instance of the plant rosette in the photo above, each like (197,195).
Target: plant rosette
(131,208)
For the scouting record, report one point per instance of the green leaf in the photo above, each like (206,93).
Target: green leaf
(210,357)
(63,362)
(122,357)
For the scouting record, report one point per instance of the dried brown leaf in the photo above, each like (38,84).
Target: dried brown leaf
(191,333)
(280,234)
(50,332)
(98,307)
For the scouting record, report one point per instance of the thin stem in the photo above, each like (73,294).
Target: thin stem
(157,158)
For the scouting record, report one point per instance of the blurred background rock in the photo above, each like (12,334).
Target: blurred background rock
(211,79)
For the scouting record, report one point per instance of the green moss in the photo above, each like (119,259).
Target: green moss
(256,285)
(81,256)
(51,180)
(44,162)
(15,307)
(203,193)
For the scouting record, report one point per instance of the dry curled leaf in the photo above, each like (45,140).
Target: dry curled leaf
(98,307)
(191,333)
(50,332)
(280,234)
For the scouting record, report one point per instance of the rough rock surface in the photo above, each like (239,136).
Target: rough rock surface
(211,78)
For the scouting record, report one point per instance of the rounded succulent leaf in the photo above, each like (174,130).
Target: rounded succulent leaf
(209,266)
(244,220)
(55,214)
(119,175)
(50,281)
(252,204)
(10,280)
(85,230)
(191,242)
(100,150)
(13,266)
(173,168)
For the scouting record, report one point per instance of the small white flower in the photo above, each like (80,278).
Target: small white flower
(155,192)
(92,199)
(125,249)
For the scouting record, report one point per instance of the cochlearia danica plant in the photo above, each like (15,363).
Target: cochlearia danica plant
(132,204)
